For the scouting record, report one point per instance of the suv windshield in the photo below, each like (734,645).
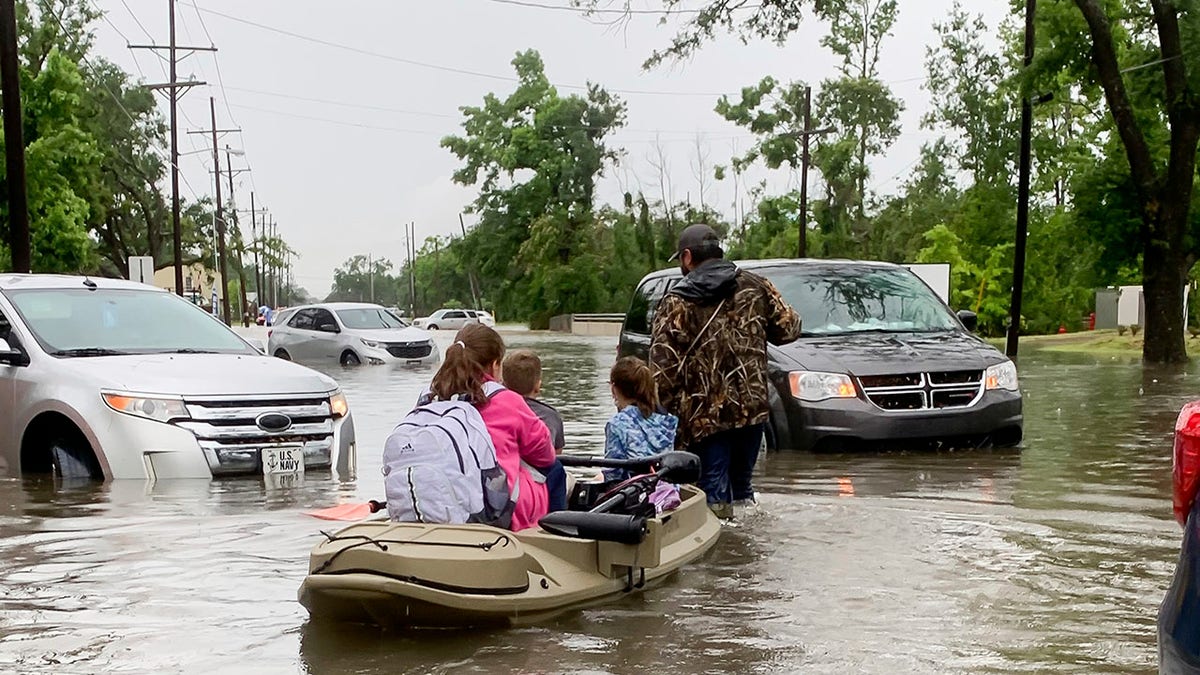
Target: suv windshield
(107,322)
(851,299)
(370,318)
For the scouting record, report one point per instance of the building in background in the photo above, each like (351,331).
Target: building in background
(199,283)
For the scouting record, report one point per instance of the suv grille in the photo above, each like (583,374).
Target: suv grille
(232,441)
(409,350)
(924,391)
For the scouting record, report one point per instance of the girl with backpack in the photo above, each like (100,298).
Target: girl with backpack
(521,439)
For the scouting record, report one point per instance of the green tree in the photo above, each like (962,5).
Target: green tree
(61,161)
(1147,67)
(365,279)
(535,157)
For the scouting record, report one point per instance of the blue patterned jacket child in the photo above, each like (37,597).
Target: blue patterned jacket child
(628,435)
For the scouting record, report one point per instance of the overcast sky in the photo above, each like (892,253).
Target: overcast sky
(342,174)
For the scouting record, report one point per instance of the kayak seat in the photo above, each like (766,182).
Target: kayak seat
(620,528)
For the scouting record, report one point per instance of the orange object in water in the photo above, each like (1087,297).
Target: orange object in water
(845,487)
(348,511)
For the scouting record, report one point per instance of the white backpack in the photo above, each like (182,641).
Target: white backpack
(439,466)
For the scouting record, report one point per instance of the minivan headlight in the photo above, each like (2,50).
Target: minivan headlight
(1002,376)
(815,386)
(153,408)
(338,405)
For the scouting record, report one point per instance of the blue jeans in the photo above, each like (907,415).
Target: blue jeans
(556,485)
(727,461)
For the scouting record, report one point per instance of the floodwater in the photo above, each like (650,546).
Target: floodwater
(1049,559)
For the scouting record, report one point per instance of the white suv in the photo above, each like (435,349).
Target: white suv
(350,333)
(114,379)
(447,319)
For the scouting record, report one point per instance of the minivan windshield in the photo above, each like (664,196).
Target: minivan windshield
(370,318)
(856,299)
(70,322)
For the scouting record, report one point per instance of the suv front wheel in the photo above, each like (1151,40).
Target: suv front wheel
(54,446)
(72,461)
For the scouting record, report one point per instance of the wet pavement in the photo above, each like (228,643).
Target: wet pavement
(1048,559)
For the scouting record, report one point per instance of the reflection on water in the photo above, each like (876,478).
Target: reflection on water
(1052,558)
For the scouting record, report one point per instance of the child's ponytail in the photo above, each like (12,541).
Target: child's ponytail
(463,369)
(634,379)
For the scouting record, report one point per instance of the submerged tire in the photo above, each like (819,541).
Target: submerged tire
(282,354)
(350,359)
(72,460)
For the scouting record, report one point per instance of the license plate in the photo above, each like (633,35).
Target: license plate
(283,459)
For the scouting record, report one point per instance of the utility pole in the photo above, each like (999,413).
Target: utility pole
(258,283)
(1018,287)
(14,145)
(371,276)
(412,273)
(173,86)
(222,260)
(275,265)
(240,249)
(805,134)
(470,271)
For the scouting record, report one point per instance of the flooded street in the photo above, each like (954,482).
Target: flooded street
(1051,558)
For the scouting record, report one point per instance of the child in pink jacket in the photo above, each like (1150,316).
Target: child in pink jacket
(522,440)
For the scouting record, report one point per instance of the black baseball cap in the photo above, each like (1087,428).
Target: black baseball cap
(694,237)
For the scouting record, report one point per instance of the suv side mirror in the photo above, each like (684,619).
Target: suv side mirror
(10,355)
(969,319)
(328,328)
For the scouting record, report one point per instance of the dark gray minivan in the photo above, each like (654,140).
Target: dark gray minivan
(882,363)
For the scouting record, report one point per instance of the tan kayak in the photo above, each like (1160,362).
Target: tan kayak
(419,575)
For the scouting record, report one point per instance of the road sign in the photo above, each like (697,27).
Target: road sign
(141,269)
(936,276)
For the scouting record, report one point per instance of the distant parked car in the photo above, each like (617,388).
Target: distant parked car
(350,333)
(447,319)
(882,361)
(111,379)
(483,317)
(1179,615)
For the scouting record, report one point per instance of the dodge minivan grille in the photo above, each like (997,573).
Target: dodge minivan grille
(232,440)
(923,391)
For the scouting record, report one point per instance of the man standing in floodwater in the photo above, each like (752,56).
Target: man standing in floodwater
(709,354)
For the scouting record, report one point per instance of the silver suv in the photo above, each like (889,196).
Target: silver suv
(350,333)
(113,379)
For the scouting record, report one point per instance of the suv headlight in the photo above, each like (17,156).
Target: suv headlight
(338,405)
(370,343)
(1002,376)
(153,408)
(815,386)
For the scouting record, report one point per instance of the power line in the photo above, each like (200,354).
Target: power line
(431,132)
(344,104)
(377,108)
(136,63)
(137,20)
(621,12)
(431,66)
(340,122)
(117,100)
(224,94)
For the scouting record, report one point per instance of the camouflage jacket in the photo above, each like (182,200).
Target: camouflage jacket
(721,383)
